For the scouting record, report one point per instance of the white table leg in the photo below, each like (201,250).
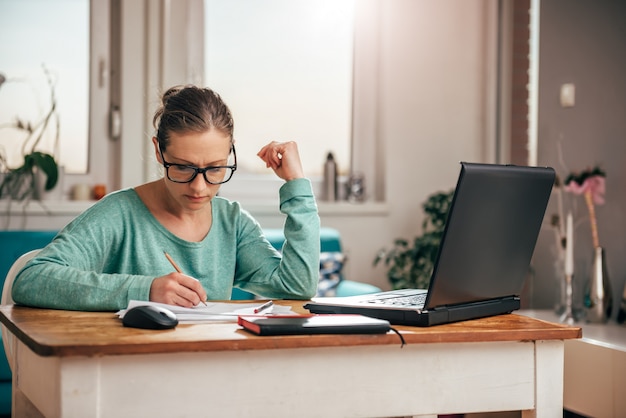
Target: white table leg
(548,380)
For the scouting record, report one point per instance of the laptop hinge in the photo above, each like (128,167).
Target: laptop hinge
(454,313)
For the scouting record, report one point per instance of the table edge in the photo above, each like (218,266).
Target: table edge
(412,335)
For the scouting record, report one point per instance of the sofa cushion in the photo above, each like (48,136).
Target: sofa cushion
(5,370)
(5,399)
(331,264)
(331,257)
(16,243)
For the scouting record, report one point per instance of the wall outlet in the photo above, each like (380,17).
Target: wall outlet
(568,95)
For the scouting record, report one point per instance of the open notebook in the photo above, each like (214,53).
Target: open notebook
(484,255)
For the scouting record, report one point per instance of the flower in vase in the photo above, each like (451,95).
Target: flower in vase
(591,184)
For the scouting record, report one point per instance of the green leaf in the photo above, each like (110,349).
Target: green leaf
(47,164)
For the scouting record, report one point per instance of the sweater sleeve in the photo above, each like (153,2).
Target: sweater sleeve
(295,275)
(85,266)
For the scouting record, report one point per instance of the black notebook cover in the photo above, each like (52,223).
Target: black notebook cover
(316,324)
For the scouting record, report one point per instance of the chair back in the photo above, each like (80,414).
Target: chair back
(7,299)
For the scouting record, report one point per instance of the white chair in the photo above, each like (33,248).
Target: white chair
(7,299)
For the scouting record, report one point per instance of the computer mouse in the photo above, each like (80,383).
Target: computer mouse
(150,317)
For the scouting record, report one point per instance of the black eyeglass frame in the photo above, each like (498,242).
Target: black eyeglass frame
(198,170)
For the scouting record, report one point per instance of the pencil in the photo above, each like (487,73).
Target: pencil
(264,306)
(173,263)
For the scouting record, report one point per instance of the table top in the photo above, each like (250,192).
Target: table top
(49,332)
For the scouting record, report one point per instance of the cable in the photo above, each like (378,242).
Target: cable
(399,335)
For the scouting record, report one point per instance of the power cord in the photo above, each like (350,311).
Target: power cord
(399,335)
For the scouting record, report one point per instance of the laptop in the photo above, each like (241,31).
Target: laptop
(484,254)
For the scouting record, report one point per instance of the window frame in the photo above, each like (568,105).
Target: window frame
(172,38)
(366,148)
(100,169)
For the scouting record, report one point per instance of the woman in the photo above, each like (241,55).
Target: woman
(115,251)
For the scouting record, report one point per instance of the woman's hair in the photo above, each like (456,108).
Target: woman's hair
(191,109)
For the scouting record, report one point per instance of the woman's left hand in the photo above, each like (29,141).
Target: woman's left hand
(283,158)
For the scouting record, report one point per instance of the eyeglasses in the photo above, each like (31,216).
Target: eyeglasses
(215,174)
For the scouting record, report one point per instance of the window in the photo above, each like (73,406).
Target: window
(36,47)
(326,117)
(285,69)
(71,40)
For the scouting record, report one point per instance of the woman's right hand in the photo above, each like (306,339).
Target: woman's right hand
(177,289)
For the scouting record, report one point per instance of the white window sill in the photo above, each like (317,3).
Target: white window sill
(341,208)
(252,191)
(260,207)
(45,207)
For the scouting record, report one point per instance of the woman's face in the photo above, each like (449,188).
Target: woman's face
(211,148)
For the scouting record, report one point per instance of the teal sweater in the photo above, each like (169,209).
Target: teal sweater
(111,253)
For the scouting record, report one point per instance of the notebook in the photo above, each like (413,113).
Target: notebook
(484,254)
(313,324)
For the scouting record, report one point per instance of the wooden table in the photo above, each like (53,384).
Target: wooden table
(80,364)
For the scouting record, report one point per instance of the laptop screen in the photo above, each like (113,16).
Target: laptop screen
(490,234)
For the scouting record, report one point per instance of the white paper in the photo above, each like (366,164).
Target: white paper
(213,311)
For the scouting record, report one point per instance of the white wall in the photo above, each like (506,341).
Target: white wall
(584,43)
(434,84)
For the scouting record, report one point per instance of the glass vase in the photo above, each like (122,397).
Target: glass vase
(621,313)
(567,316)
(561,291)
(598,297)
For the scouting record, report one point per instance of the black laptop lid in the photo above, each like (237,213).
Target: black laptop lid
(490,234)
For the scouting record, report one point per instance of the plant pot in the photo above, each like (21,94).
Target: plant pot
(39,191)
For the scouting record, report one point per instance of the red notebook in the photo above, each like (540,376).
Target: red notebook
(313,324)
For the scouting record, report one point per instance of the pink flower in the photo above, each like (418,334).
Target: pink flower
(595,185)
(590,184)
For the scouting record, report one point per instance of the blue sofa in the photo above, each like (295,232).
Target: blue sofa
(16,243)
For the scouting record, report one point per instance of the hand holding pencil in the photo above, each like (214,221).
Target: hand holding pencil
(177,288)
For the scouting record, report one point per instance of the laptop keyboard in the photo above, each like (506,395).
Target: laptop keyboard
(404,301)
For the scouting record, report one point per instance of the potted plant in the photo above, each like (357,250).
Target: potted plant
(410,264)
(39,170)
